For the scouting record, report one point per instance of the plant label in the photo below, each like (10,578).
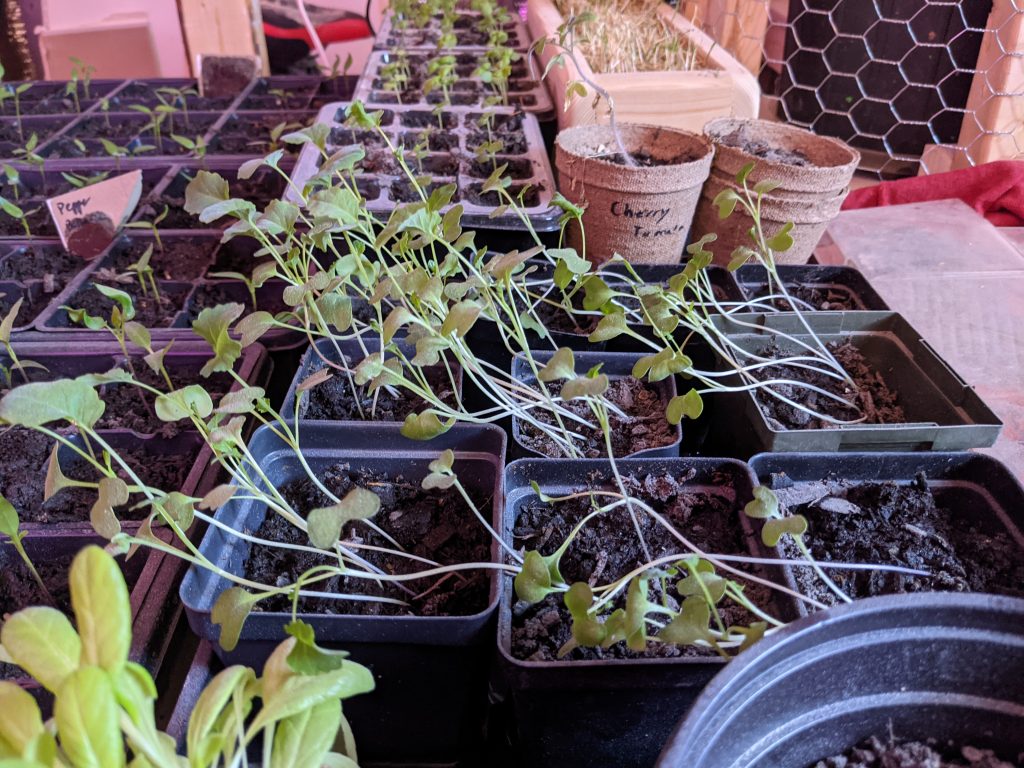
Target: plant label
(221,76)
(89,218)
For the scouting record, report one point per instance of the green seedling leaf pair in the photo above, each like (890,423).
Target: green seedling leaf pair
(765,506)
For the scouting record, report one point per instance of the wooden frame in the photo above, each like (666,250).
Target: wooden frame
(676,99)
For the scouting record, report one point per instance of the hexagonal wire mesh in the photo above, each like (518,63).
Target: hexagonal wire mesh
(913,84)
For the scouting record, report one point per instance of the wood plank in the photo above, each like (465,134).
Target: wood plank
(677,99)
(993,127)
(223,27)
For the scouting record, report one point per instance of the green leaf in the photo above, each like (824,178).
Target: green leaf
(782,240)
(428,350)
(252,327)
(585,386)
(43,402)
(597,293)
(306,737)
(7,326)
(138,334)
(205,190)
(461,318)
(740,256)
(690,405)
(336,309)
(765,187)
(113,492)
(303,692)
(205,721)
(230,611)
(9,522)
(397,318)
(777,527)
(751,634)
(42,641)
(764,505)
(562,365)
(102,609)
(306,657)
(325,523)
(570,259)
(213,324)
(88,720)
(744,172)
(218,497)
(690,624)
(424,426)
(244,400)
(533,582)
(609,327)
(184,403)
(587,631)
(726,201)
(21,722)
(702,580)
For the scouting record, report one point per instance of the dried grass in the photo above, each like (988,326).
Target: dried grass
(629,36)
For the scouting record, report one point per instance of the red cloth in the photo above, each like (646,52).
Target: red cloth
(995,190)
(338,31)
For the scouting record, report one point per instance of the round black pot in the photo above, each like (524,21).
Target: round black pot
(943,666)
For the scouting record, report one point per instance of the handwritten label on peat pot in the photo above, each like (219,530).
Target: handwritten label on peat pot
(221,76)
(648,222)
(89,218)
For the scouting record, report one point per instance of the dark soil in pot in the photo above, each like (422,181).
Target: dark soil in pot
(151,311)
(897,753)
(49,263)
(333,400)
(646,428)
(214,294)
(341,137)
(474,194)
(433,524)
(175,260)
(38,217)
(437,141)
(25,456)
(898,525)
(875,400)
(607,548)
(823,298)
(129,407)
(31,307)
(177,217)
(745,139)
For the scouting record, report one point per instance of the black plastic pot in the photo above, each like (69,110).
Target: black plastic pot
(842,288)
(313,361)
(617,365)
(979,488)
(429,672)
(943,412)
(610,712)
(925,666)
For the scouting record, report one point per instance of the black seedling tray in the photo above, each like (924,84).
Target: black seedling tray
(943,412)
(616,365)
(467,33)
(414,659)
(976,486)
(612,711)
(843,288)
(525,92)
(383,188)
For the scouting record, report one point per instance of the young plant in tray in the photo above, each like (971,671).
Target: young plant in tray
(104,703)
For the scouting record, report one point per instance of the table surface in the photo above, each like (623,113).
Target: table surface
(960,282)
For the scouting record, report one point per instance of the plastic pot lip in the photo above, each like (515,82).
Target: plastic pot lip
(202,609)
(808,627)
(504,636)
(589,358)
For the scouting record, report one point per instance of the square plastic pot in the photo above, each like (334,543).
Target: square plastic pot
(977,486)
(430,673)
(313,361)
(616,365)
(609,712)
(846,284)
(943,412)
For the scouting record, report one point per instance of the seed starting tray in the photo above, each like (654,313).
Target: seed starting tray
(451,160)
(524,91)
(467,33)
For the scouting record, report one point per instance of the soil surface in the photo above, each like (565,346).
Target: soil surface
(30,307)
(213,294)
(432,524)
(742,140)
(151,311)
(820,297)
(607,549)
(905,525)
(25,455)
(129,407)
(51,264)
(875,753)
(176,260)
(874,399)
(646,427)
(645,160)
(333,400)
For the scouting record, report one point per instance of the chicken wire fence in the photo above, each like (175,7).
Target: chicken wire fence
(915,85)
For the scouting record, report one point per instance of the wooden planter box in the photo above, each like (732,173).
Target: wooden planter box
(677,99)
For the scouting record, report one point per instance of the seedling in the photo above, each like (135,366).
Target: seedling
(105,704)
(80,181)
(10,526)
(81,72)
(16,364)
(153,226)
(15,212)
(196,146)
(144,273)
